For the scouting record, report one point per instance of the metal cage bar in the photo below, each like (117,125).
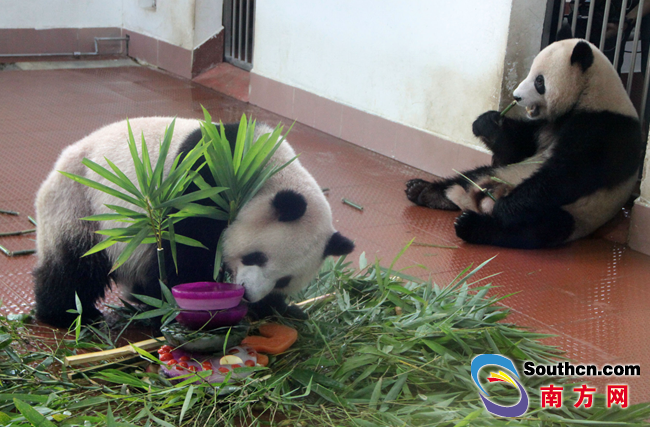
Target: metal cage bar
(619,33)
(603,29)
(635,46)
(239,22)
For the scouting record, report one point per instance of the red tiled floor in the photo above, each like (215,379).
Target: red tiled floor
(593,294)
(226,78)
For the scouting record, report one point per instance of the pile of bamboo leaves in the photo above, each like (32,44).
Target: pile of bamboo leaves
(379,349)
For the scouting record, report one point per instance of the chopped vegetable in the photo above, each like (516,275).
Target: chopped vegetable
(275,338)
(262,359)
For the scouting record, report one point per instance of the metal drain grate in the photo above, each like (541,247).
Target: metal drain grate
(238,21)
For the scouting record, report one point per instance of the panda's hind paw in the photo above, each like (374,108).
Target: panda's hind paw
(472,227)
(413,189)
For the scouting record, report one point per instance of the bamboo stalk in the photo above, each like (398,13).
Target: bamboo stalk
(3,211)
(32,220)
(505,110)
(311,300)
(127,350)
(431,245)
(23,252)
(18,233)
(354,205)
(162,272)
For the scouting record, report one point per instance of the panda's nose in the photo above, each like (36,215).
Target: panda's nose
(517,98)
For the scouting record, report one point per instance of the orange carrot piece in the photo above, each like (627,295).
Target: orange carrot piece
(262,359)
(275,338)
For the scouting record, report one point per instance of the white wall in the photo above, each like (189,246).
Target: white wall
(184,23)
(208,20)
(171,21)
(430,64)
(44,14)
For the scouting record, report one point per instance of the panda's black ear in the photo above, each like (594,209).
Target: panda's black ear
(583,55)
(338,245)
(289,205)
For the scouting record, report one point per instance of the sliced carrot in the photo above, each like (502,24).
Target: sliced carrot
(275,338)
(263,359)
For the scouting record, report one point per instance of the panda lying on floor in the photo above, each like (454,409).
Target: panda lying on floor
(275,246)
(559,176)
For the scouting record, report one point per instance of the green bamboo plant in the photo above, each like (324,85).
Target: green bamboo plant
(154,197)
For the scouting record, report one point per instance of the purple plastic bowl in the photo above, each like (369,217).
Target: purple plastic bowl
(207,295)
(212,319)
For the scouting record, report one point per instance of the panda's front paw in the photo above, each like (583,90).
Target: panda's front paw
(472,227)
(487,126)
(414,188)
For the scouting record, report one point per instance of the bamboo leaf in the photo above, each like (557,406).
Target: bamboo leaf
(240,143)
(121,182)
(196,210)
(171,236)
(129,249)
(106,243)
(101,187)
(184,240)
(217,258)
(137,163)
(187,403)
(156,176)
(32,415)
(179,202)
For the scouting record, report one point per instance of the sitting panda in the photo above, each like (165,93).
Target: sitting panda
(275,246)
(558,175)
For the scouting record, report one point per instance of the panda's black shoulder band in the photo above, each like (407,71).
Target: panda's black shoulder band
(583,55)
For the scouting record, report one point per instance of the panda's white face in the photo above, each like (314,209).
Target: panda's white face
(571,74)
(281,237)
(553,83)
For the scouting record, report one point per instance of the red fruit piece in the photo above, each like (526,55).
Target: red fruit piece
(207,365)
(184,358)
(172,362)
(249,363)
(223,370)
(192,368)
(275,338)
(166,356)
(165,349)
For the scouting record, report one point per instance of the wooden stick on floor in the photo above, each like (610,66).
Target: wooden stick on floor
(114,353)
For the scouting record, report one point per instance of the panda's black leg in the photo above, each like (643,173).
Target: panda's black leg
(540,229)
(433,194)
(62,274)
(274,303)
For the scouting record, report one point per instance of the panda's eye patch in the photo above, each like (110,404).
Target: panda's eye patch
(539,85)
(283,282)
(255,258)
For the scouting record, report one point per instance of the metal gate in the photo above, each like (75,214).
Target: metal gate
(608,24)
(239,24)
